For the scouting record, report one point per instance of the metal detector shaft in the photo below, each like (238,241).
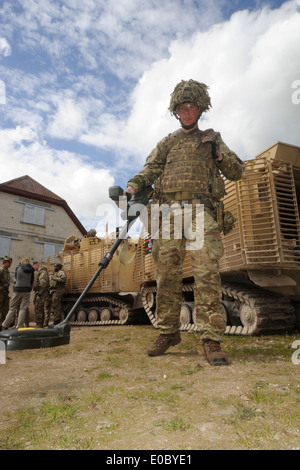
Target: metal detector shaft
(102,265)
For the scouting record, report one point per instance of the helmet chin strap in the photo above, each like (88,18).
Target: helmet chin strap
(188,127)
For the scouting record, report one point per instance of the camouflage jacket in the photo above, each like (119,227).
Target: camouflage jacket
(41,281)
(182,163)
(4,279)
(58,280)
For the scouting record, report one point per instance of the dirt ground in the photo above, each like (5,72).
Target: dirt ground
(102,391)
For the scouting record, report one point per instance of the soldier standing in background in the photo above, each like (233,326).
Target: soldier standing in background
(48,305)
(91,233)
(19,303)
(57,289)
(186,168)
(4,288)
(41,289)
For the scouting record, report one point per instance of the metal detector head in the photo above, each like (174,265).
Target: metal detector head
(36,338)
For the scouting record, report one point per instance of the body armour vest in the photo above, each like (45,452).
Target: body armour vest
(190,167)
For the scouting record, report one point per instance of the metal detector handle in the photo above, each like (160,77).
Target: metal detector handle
(102,265)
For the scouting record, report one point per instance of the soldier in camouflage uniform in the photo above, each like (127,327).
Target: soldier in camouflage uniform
(48,306)
(41,289)
(4,288)
(57,289)
(187,166)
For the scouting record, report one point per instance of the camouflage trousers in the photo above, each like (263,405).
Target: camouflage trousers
(56,304)
(47,309)
(39,308)
(4,305)
(168,255)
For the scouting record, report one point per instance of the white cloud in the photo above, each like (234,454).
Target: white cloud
(69,120)
(124,36)
(68,175)
(104,75)
(249,62)
(5,48)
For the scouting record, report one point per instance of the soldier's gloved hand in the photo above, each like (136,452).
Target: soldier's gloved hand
(123,200)
(216,154)
(129,190)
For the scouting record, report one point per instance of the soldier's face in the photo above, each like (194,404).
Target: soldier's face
(188,113)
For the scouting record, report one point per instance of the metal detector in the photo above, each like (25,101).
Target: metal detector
(56,335)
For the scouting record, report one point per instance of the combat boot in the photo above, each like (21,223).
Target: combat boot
(214,354)
(163,343)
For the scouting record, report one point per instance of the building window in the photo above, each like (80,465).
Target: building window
(34,214)
(4,246)
(51,249)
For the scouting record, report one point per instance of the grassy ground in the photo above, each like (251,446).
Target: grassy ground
(103,392)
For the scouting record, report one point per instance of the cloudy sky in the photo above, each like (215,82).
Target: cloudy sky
(85,85)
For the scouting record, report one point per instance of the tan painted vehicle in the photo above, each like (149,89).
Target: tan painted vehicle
(261,266)
(260,269)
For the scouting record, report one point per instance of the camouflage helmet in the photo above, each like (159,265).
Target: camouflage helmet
(190,91)
(91,233)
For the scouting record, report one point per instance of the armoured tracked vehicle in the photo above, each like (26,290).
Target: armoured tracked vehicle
(114,297)
(260,269)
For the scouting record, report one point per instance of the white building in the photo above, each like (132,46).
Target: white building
(34,222)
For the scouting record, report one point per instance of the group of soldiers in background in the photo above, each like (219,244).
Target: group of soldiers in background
(48,290)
